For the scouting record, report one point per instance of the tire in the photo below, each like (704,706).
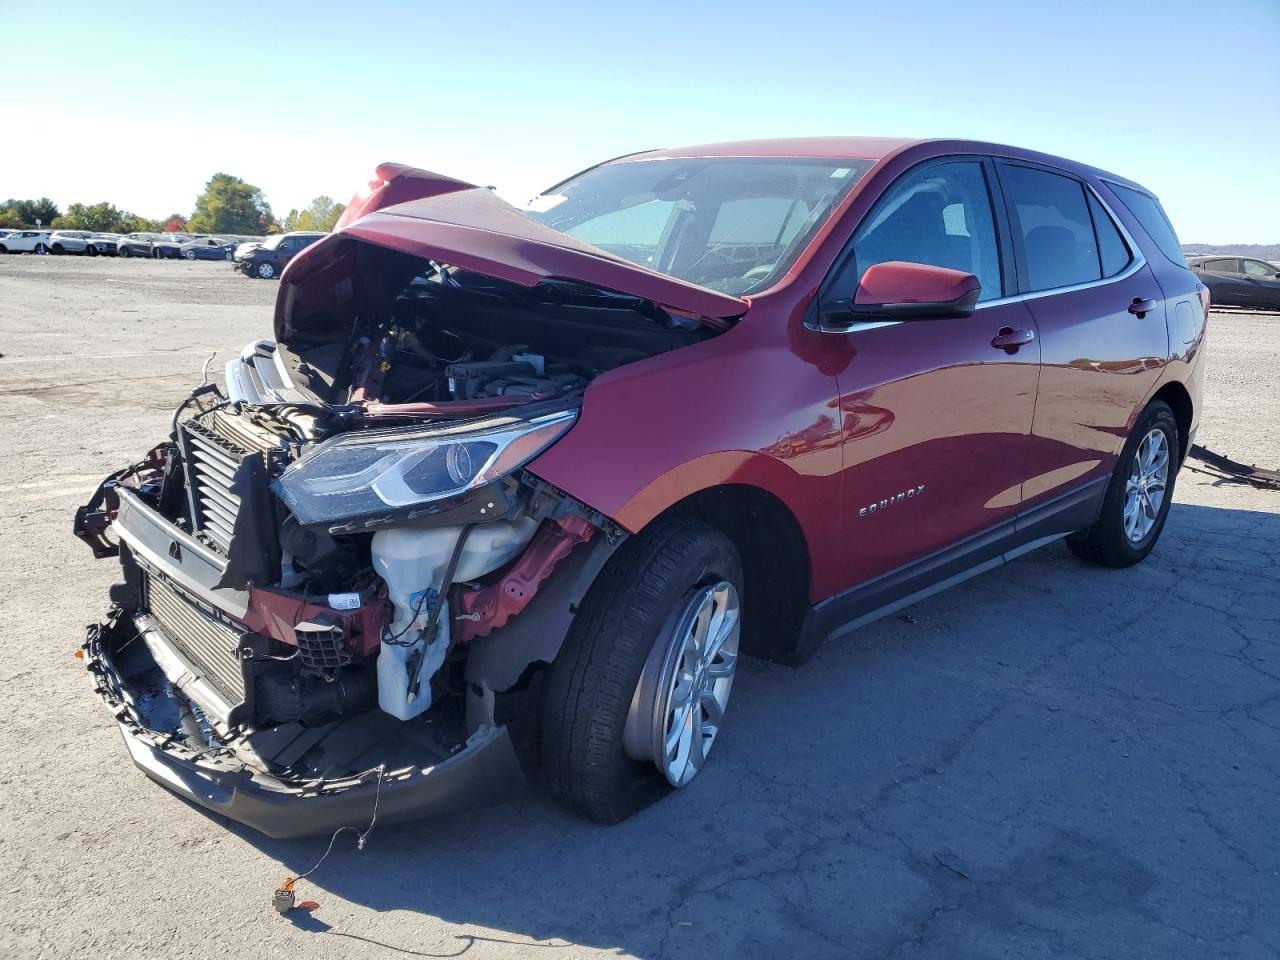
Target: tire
(265,270)
(3,248)
(40,249)
(124,252)
(1109,542)
(90,250)
(189,254)
(231,257)
(623,634)
(57,249)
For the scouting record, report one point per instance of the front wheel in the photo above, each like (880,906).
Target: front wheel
(1138,496)
(124,252)
(637,696)
(58,250)
(189,254)
(266,271)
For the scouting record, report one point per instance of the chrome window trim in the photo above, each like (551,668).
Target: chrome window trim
(1137,262)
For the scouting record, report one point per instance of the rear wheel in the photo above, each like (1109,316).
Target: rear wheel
(91,250)
(1139,495)
(637,696)
(41,248)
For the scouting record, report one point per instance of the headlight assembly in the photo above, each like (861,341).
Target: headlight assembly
(358,475)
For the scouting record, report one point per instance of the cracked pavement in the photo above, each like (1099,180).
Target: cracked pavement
(1050,760)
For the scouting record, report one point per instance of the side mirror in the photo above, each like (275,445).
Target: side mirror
(897,290)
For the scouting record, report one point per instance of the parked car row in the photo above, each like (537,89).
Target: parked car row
(89,243)
(261,257)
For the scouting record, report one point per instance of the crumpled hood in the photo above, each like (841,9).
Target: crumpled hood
(472,228)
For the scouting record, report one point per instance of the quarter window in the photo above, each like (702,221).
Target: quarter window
(1052,214)
(1222,266)
(939,214)
(1148,212)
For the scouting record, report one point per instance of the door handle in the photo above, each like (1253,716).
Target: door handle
(1140,308)
(1009,339)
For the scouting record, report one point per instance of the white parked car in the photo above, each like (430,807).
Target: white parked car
(26,241)
(69,241)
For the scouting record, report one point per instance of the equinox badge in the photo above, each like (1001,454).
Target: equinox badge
(890,501)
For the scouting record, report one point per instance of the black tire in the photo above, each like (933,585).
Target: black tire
(265,270)
(1105,543)
(3,248)
(57,249)
(589,687)
(91,250)
(189,254)
(40,248)
(124,252)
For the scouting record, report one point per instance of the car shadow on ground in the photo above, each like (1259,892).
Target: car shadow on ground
(1049,758)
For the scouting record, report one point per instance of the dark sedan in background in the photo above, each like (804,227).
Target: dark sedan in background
(267,261)
(1238,281)
(208,248)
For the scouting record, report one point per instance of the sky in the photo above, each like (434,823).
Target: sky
(139,104)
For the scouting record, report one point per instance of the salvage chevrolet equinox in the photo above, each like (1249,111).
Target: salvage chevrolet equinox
(563,465)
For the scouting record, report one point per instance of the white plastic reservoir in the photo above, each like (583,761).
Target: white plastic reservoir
(412,561)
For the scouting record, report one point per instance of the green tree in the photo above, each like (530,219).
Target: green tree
(321,214)
(26,213)
(229,205)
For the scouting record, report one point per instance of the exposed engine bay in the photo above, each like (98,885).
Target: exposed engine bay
(328,563)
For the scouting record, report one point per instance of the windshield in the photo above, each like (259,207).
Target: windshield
(273,241)
(733,224)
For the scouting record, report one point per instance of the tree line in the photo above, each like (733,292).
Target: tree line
(227,205)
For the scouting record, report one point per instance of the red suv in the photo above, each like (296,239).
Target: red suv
(555,469)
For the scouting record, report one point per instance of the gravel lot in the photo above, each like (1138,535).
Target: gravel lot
(1051,760)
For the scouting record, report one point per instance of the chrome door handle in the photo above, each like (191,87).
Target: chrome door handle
(1009,339)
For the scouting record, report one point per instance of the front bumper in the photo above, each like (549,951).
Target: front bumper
(482,771)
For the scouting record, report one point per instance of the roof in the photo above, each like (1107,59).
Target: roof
(836,148)
(867,148)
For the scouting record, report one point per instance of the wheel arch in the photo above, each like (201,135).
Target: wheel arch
(776,564)
(1175,394)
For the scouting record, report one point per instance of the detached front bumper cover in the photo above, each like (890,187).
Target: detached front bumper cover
(484,772)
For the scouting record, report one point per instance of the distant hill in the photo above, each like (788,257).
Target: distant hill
(1263,251)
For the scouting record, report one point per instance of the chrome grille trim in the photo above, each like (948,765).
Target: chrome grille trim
(208,644)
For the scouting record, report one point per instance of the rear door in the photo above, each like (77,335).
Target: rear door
(936,417)
(1103,336)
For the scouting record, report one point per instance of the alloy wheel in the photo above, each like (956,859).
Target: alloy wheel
(1144,491)
(678,707)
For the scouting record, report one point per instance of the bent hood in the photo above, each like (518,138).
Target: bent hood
(472,228)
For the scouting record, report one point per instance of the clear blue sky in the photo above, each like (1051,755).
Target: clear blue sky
(139,104)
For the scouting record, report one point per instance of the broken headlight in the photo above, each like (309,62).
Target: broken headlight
(359,475)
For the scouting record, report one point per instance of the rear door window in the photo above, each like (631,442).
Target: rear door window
(1222,266)
(1256,268)
(1051,214)
(1112,250)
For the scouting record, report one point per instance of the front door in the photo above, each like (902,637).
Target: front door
(936,413)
